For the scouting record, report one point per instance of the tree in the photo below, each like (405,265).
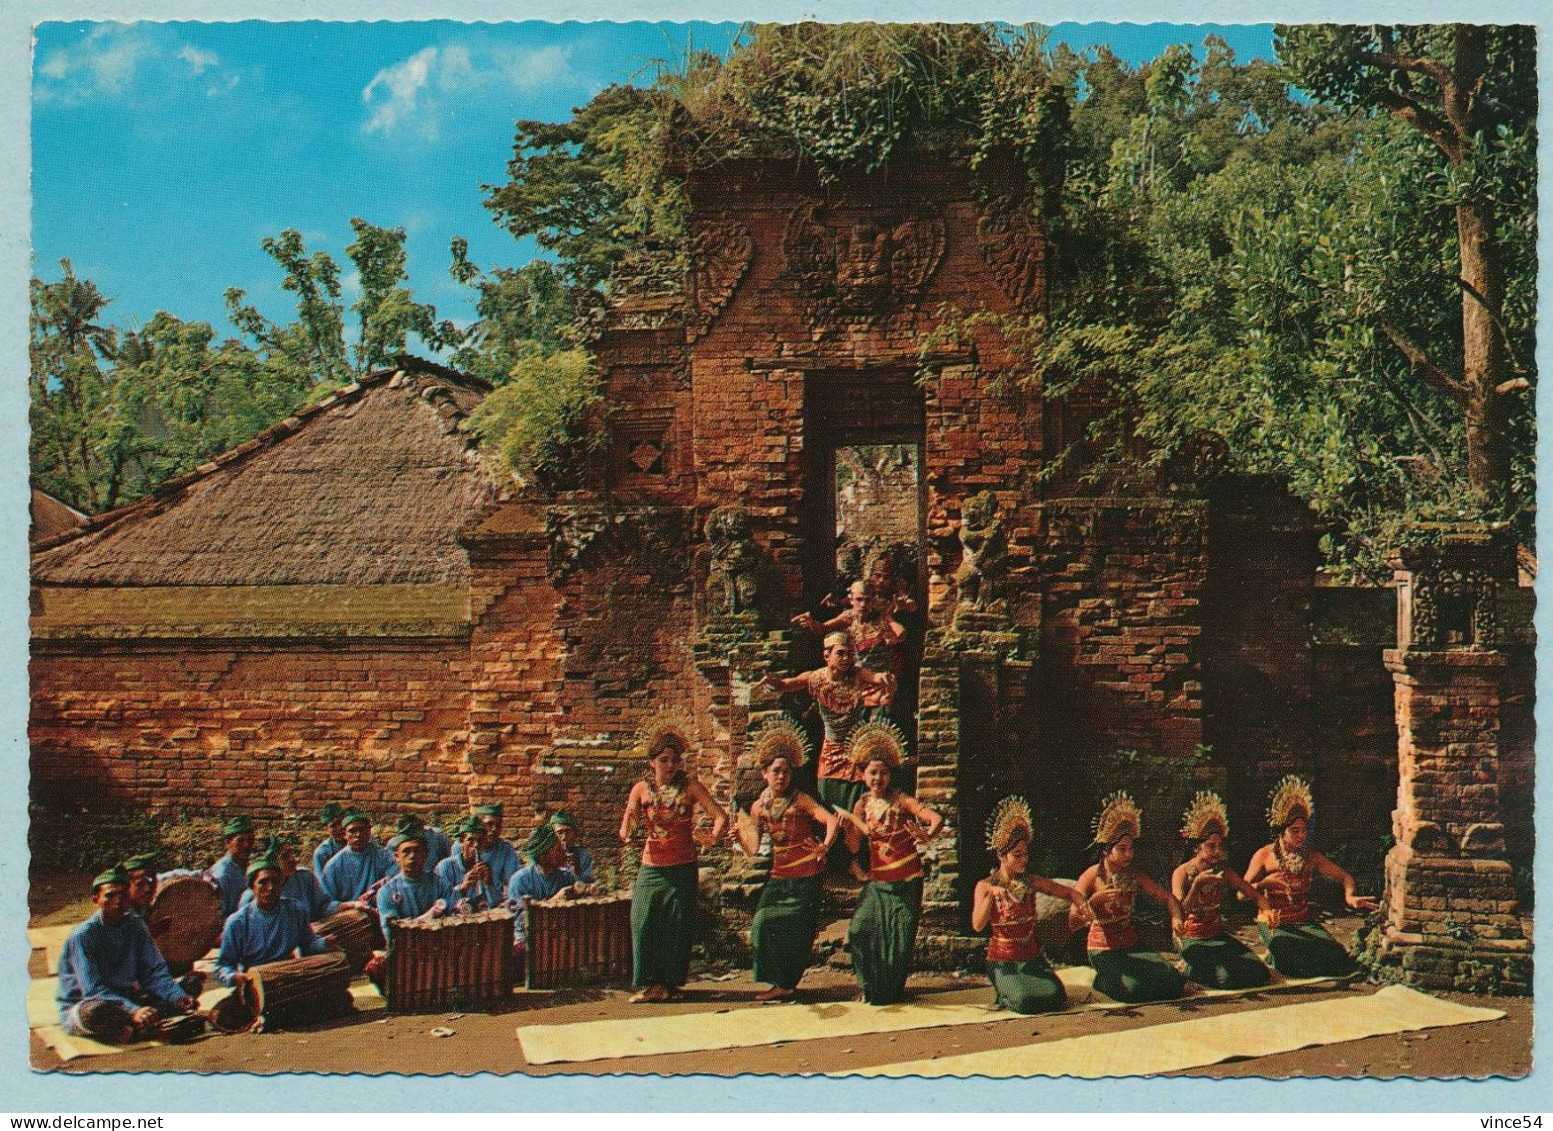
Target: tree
(313,345)
(1471,91)
(523,312)
(387,310)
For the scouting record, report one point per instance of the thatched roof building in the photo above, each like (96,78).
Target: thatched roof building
(51,517)
(339,518)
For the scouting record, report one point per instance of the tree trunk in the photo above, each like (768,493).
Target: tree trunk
(1485,360)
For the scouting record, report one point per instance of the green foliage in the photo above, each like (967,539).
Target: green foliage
(536,424)
(388,311)
(522,313)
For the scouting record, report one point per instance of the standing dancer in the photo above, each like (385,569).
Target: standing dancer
(663,902)
(1212,957)
(843,692)
(1005,901)
(883,933)
(1283,871)
(787,916)
(1124,968)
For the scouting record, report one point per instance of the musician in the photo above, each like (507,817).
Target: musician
(143,885)
(663,902)
(545,877)
(270,929)
(782,934)
(495,850)
(297,884)
(351,874)
(579,861)
(414,893)
(230,872)
(438,845)
(843,692)
(113,984)
(467,874)
(1283,871)
(331,816)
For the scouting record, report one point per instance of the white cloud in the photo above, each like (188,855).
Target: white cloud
(110,59)
(411,97)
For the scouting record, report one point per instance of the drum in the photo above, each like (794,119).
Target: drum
(578,940)
(453,961)
(354,932)
(179,1028)
(185,918)
(299,990)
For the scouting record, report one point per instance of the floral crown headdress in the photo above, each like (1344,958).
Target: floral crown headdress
(1011,817)
(1204,814)
(876,741)
(780,738)
(660,728)
(1119,816)
(1290,799)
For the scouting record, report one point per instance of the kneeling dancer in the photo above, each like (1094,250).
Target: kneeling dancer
(1125,969)
(788,913)
(883,932)
(1212,957)
(1283,871)
(113,984)
(1005,901)
(663,902)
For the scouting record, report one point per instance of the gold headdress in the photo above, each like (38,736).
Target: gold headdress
(780,739)
(1119,817)
(661,728)
(1290,799)
(1009,819)
(1205,812)
(877,741)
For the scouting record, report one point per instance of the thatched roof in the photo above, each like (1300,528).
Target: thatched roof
(51,517)
(367,487)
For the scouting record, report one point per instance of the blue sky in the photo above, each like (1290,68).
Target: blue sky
(164,152)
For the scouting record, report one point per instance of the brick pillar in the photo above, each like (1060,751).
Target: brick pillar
(1451,917)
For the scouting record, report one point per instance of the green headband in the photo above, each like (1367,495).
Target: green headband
(561,819)
(332,812)
(237,826)
(540,841)
(260,864)
(114,875)
(146,861)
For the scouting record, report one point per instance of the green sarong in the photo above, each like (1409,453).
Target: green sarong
(1304,950)
(840,795)
(783,933)
(1031,986)
(1222,963)
(1135,975)
(663,909)
(882,936)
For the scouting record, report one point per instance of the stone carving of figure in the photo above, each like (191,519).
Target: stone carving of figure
(731,586)
(985,558)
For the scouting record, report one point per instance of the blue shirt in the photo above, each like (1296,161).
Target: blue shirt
(452,871)
(404,898)
(504,862)
(324,853)
(304,889)
(579,861)
(230,881)
(350,873)
(536,885)
(438,847)
(114,964)
(252,938)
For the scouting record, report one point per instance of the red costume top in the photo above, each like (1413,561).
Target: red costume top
(1202,907)
(1013,924)
(892,849)
(874,645)
(1112,928)
(841,708)
(795,854)
(670,827)
(1286,886)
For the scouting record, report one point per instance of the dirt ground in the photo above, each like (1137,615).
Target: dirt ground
(486,1041)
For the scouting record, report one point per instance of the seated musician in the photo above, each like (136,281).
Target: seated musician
(143,885)
(467,874)
(545,878)
(113,985)
(438,844)
(324,852)
(497,851)
(414,893)
(230,872)
(353,874)
(579,861)
(270,929)
(297,884)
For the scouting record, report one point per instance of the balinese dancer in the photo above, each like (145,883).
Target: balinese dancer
(1022,978)
(843,692)
(1124,968)
(663,902)
(787,916)
(1212,957)
(877,638)
(1283,871)
(883,933)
